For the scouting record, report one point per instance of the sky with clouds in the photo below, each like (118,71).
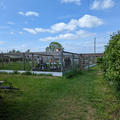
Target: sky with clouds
(33,24)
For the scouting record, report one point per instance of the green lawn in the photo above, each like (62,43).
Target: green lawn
(85,97)
(16,66)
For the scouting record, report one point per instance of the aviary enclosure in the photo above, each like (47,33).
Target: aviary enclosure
(47,62)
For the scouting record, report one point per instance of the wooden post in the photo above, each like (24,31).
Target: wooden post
(53,62)
(79,64)
(23,61)
(83,61)
(88,61)
(32,61)
(61,61)
(95,45)
(94,59)
(72,61)
(9,60)
(2,56)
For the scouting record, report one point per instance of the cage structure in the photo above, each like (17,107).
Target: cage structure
(60,61)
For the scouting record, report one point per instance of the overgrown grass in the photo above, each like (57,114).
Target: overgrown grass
(86,96)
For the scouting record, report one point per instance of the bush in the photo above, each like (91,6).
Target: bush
(15,72)
(99,60)
(27,73)
(111,59)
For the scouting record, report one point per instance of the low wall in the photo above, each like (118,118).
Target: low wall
(58,74)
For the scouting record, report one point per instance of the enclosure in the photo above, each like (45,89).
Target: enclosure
(60,61)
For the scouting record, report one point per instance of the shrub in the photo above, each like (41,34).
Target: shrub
(15,72)
(27,73)
(111,59)
(99,60)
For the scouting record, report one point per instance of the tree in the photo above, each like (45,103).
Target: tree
(27,51)
(111,59)
(14,51)
(54,46)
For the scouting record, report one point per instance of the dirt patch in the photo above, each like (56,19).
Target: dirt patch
(91,112)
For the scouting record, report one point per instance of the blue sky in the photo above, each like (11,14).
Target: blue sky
(33,24)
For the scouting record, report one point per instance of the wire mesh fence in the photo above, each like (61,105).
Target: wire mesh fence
(42,61)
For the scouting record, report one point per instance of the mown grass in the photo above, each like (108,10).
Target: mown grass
(84,97)
(16,66)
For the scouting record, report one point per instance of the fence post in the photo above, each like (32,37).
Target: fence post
(32,61)
(23,61)
(80,61)
(83,62)
(61,60)
(2,56)
(88,61)
(53,62)
(94,59)
(9,60)
(72,61)
(79,64)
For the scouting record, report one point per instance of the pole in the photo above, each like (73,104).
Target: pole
(81,62)
(23,61)
(94,45)
(32,61)
(61,60)
(72,61)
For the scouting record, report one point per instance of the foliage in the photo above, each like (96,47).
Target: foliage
(15,72)
(27,73)
(14,51)
(99,60)
(53,45)
(27,51)
(111,59)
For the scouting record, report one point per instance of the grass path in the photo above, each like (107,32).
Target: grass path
(85,97)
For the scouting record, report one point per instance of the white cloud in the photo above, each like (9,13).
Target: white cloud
(84,34)
(32,31)
(41,30)
(62,26)
(102,4)
(96,4)
(59,37)
(2,42)
(29,13)
(20,33)
(69,36)
(12,33)
(87,21)
(71,1)
(107,4)
(11,23)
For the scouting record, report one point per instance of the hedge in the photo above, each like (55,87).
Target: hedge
(111,59)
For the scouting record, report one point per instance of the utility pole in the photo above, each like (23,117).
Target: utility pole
(95,45)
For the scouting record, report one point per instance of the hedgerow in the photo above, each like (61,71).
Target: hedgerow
(111,59)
